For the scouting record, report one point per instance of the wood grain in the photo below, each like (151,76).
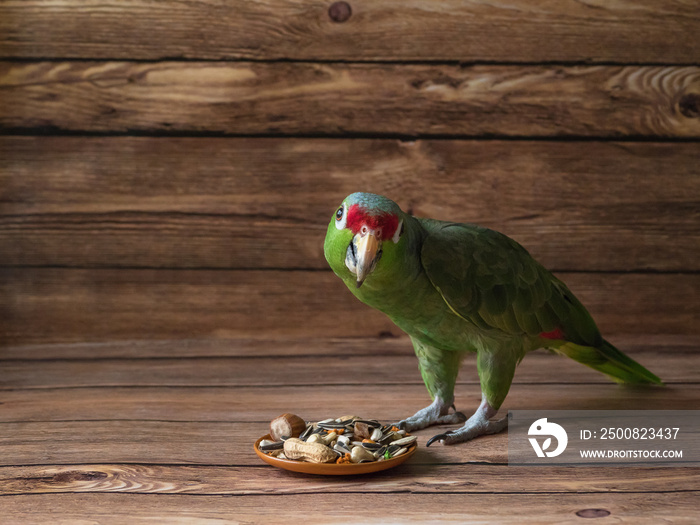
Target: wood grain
(41,305)
(275,347)
(469,479)
(350,99)
(314,402)
(457,508)
(158,442)
(241,203)
(651,31)
(538,367)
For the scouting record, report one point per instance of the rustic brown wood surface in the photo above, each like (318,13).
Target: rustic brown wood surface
(253,403)
(77,305)
(302,98)
(680,366)
(167,173)
(274,347)
(226,479)
(401,507)
(221,203)
(646,31)
(83,424)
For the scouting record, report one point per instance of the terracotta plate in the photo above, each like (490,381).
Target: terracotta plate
(332,469)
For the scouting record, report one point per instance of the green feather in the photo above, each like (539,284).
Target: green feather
(610,361)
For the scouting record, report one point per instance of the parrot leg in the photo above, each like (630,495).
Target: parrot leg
(439,369)
(496,370)
(434,414)
(477,425)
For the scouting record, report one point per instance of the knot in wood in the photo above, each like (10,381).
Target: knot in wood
(689,105)
(593,513)
(71,476)
(339,11)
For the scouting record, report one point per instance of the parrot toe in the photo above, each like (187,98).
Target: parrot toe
(438,437)
(452,419)
(435,414)
(472,429)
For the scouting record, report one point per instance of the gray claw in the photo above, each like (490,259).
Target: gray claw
(437,438)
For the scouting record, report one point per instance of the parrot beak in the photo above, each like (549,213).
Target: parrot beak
(367,250)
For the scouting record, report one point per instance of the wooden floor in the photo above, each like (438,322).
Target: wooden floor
(163,431)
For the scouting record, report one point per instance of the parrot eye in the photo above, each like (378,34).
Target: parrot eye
(340,218)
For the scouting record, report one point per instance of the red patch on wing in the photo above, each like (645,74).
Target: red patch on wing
(358,217)
(554,334)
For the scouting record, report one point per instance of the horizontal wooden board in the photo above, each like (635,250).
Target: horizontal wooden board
(519,30)
(221,443)
(265,203)
(346,99)
(537,367)
(317,402)
(273,348)
(457,508)
(41,305)
(467,479)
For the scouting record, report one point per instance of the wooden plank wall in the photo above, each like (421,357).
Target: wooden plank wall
(167,168)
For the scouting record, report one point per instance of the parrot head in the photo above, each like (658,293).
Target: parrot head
(364,237)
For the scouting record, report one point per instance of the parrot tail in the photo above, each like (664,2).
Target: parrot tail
(610,361)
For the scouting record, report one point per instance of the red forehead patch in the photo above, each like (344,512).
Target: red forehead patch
(358,217)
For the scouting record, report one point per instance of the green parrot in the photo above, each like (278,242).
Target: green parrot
(457,288)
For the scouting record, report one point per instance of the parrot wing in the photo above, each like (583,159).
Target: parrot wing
(489,279)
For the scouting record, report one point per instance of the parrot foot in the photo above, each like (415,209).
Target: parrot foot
(477,425)
(435,414)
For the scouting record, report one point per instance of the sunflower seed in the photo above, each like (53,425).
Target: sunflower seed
(306,433)
(379,453)
(267,446)
(370,422)
(405,441)
(341,449)
(392,449)
(388,438)
(399,452)
(332,426)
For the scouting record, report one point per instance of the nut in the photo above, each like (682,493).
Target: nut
(295,448)
(324,440)
(360,454)
(286,426)
(362,430)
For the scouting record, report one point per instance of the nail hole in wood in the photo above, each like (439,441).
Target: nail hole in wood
(340,11)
